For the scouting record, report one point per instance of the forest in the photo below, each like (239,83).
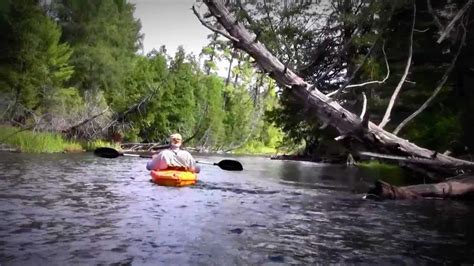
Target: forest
(74,67)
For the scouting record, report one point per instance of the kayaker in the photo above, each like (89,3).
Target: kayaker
(173,157)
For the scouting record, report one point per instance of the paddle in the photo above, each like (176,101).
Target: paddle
(226,164)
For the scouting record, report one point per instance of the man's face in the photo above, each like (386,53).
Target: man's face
(176,141)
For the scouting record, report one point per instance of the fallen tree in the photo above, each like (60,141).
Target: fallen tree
(453,189)
(328,110)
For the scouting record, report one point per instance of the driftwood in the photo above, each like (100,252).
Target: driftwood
(453,189)
(409,160)
(314,101)
(143,147)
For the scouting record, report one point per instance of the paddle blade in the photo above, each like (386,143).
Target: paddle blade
(107,152)
(230,165)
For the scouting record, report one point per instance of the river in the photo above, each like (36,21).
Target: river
(63,209)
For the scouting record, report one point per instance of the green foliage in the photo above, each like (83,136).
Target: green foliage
(210,111)
(34,64)
(436,130)
(256,147)
(80,65)
(390,173)
(146,84)
(105,36)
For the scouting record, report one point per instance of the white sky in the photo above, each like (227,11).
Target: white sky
(170,23)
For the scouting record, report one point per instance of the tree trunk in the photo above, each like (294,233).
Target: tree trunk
(315,102)
(455,189)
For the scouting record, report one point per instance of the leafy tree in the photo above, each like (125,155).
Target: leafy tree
(209,115)
(140,103)
(34,64)
(105,37)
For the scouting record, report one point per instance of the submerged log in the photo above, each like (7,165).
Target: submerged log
(452,189)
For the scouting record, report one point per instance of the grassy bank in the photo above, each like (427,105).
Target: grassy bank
(390,173)
(43,142)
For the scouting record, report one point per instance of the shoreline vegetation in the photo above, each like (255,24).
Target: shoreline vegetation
(20,140)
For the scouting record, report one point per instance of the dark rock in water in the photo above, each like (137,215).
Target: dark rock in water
(237,231)
(277,258)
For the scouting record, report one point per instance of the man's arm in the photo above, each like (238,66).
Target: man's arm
(191,163)
(196,169)
(158,162)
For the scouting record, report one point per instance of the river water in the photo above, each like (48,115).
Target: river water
(65,209)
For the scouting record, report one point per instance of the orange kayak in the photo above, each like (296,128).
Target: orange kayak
(173,178)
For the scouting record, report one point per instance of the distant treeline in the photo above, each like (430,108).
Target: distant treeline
(73,67)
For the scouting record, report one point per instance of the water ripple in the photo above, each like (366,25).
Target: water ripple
(77,209)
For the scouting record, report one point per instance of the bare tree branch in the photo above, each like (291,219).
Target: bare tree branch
(375,81)
(354,72)
(436,91)
(364,106)
(212,28)
(365,83)
(435,17)
(456,18)
(386,117)
(71,129)
(135,108)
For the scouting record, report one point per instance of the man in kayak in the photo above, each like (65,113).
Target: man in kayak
(173,157)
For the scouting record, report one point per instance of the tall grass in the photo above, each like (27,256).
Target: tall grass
(36,142)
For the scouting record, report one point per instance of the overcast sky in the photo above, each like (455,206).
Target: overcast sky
(171,23)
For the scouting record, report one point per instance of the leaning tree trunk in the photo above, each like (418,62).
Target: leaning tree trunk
(327,110)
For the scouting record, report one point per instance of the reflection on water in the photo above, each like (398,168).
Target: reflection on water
(78,209)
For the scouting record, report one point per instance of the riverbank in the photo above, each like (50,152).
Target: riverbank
(297,157)
(14,139)
(19,140)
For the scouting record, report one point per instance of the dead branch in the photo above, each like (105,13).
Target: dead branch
(375,81)
(386,117)
(364,106)
(435,17)
(455,19)
(120,117)
(436,91)
(71,130)
(345,85)
(212,28)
